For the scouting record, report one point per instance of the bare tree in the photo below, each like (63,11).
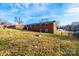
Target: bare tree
(19,24)
(18,20)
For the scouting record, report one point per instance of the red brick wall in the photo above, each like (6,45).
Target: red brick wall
(36,27)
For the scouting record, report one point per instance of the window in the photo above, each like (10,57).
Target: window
(43,24)
(40,30)
(30,26)
(27,28)
(46,30)
(33,24)
(27,25)
(46,24)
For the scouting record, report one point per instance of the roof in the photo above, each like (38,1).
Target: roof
(42,22)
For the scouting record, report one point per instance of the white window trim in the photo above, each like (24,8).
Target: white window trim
(46,30)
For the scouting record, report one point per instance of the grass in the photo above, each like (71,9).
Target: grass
(21,43)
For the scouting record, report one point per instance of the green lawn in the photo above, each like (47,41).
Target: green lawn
(15,43)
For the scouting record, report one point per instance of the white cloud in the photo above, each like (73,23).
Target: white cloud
(50,16)
(40,7)
(46,16)
(26,12)
(65,22)
(71,12)
(8,13)
(74,10)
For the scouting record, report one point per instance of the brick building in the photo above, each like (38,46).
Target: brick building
(42,27)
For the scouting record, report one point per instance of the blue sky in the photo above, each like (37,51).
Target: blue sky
(34,12)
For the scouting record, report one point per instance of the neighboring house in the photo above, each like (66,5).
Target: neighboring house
(4,24)
(75,23)
(76,28)
(42,27)
(73,27)
(19,26)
